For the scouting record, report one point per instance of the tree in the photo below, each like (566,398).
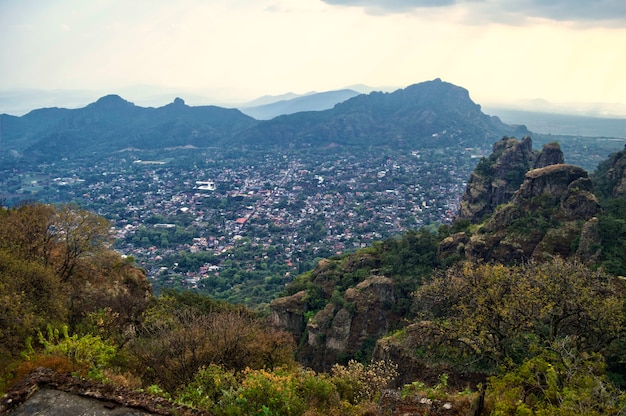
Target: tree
(500,313)
(26,231)
(79,233)
(30,296)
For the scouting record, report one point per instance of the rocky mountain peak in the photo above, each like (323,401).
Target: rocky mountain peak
(551,154)
(111,102)
(497,178)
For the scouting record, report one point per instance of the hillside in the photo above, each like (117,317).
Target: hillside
(401,326)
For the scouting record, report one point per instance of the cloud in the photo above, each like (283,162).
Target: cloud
(601,11)
(582,10)
(392,5)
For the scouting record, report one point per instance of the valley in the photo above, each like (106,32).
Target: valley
(271,216)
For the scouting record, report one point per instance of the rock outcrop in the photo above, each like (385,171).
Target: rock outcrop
(46,392)
(340,312)
(551,154)
(288,313)
(610,177)
(529,205)
(545,217)
(340,330)
(497,178)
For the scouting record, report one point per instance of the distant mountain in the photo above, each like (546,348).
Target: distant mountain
(309,102)
(111,124)
(270,99)
(429,114)
(432,113)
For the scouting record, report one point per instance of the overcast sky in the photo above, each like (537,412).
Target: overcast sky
(500,50)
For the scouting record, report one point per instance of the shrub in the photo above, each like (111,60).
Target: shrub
(87,351)
(208,387)
(557,380)
(271,393)
(357,382)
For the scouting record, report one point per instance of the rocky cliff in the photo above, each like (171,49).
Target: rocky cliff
(496,178)
(551,214)
(338,310)
(344,329)
(610,177)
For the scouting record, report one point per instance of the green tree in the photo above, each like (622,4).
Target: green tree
(25,231)
(31,296)
(498,313)
(558,380)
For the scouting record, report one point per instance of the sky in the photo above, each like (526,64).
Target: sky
(238,50)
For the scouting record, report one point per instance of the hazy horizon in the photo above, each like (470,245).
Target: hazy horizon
(501,51)
(18,102)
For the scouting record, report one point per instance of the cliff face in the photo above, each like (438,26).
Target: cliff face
(610,177)
(552,214)
(495,179)
(342,329)
(288,313)
(530,205)
(340,309)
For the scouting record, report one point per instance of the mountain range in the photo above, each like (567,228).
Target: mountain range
(292,103)
(432,113)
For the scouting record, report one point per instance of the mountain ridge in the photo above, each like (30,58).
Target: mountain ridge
(431,113)
(314,101)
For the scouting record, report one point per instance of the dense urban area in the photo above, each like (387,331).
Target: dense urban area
(220,222)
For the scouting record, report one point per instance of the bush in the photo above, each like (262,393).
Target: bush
(282,391)
(357,382)
(208,387)
(85,352)
(271,392)
(557,380)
